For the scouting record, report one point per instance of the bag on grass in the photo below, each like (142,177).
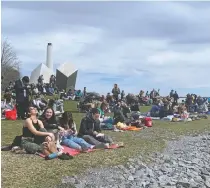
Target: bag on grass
(48,148)
(11,114)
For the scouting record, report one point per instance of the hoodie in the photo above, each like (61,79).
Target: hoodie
(88,125)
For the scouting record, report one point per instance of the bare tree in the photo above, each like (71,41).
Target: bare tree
(9,64)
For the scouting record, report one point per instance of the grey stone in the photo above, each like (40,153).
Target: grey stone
(205,172)
(207,184)
(184,163)
(131,178)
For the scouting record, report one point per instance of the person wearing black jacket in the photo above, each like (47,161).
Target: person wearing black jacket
(176,97)
(90,130)
(21,88)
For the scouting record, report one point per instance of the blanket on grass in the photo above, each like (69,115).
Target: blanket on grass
(74,152)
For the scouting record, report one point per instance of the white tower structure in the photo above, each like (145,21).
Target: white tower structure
(45,69)
(49,62)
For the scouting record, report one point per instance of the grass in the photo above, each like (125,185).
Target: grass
(32,171)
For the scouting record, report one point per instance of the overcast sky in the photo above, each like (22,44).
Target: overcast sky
(139,45)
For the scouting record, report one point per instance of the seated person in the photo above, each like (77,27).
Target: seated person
(134,107)
(105,121)
(50,123)
(125,109)
(119,117)
(69,136)
(7,96)
(78,94)
(34,133)
(108,98)
(102,110)
(154,112)
(90,129)
(71,94)
(57,106)
(39,103)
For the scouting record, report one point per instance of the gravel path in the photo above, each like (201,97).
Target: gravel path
(184,163)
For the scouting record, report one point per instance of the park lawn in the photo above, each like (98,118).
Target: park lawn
(33,171)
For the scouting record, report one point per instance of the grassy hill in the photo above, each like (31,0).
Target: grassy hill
(32,171)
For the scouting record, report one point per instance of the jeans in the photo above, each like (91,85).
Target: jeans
(75,143)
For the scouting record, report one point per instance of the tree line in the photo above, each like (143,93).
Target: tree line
(10,64)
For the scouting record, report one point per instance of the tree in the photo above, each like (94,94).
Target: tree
(10,64)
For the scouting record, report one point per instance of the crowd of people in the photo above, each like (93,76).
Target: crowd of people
(47,126)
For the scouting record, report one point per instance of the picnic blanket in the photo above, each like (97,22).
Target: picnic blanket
(74,152)
(130,128)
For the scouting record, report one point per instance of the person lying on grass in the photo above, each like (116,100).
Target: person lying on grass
(91,132)
(35,137)
(69,135)
(51,124)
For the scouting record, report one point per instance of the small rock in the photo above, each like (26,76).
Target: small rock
(130,178)
(207,184)
(205,172)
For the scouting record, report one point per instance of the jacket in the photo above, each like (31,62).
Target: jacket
(88,125)
(22,92)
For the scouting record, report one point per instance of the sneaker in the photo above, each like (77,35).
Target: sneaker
(65,156)
(15,148)
(21,151)
(100,146)
(6,148)
(59,146)
(106,145)
(92,147)
(85,149)
(116,130)
(120,144)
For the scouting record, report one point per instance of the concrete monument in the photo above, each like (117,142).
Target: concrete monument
(66,76)
(43,69)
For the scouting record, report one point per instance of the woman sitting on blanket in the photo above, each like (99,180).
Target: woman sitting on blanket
(102,109)
(34,133)
(51,124)
(69,135)
(35,138)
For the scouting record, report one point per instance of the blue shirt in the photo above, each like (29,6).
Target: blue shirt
(155,108)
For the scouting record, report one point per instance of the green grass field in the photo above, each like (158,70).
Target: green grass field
(32,171)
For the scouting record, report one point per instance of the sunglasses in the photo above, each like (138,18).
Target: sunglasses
(32,108)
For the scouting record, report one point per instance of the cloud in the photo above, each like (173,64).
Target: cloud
(139,45)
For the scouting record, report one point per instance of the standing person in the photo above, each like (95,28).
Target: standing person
(22,96)
(122,95)
(176,97)
(41,80)
(52,81)
(152,95)
(171,93)
(116,92)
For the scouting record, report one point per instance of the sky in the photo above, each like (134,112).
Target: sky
(138,45)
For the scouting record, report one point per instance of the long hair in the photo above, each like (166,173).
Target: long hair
(52,119)
(67,120)
(103,104)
